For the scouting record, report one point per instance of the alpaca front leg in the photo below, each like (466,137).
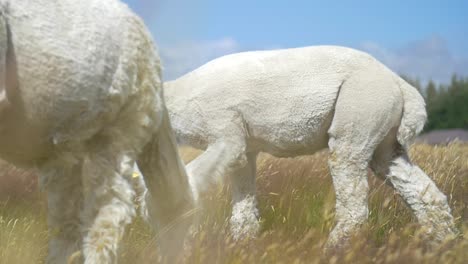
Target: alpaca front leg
(245,217)
(210,167)
(109,206)
(351,190)
(228,157)
(64,198)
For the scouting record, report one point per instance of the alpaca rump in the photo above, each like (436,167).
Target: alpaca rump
(295,102)
(81,101)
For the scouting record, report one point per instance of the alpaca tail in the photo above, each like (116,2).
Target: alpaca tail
(3,59)
(164,171)
(169,200)
(414,114)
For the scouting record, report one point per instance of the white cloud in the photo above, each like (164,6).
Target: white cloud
(180,58)
(426,59)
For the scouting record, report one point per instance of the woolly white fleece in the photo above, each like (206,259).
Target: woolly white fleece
(81,101)
(294,102)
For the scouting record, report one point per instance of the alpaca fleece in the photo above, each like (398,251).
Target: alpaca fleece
(81,101)
(295,102)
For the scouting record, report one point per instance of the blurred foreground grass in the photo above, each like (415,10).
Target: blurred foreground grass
(296,201)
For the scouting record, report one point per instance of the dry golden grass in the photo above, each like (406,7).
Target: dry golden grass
(296,201)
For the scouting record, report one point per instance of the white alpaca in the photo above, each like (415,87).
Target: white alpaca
(296,102)
(81,101)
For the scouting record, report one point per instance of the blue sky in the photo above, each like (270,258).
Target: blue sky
(425,39)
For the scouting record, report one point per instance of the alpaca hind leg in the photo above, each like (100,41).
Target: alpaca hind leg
(349,174)
(420,193)
(367,108)
(109,204)
(245,217)
(64,199)
(138,183)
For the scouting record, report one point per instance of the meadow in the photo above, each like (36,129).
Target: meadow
(296,201)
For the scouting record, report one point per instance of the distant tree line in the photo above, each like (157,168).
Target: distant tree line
(447,105)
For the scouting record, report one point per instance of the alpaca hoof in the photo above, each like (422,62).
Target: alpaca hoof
(241,230)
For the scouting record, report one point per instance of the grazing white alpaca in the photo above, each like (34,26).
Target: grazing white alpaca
(296,102)
(81,101)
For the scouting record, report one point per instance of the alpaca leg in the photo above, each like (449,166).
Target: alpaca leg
(139,186)
(244,220)
(349,174)
(427,202)
(109,204)
(227,157)
(367,108)
(64,204)
(211,166)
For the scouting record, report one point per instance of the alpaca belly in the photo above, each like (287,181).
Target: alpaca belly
(296,125)
(289,139)
(297,145)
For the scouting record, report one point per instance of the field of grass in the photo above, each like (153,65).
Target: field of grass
(296,202)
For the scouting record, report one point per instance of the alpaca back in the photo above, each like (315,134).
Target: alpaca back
(286,97)
(77,64)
